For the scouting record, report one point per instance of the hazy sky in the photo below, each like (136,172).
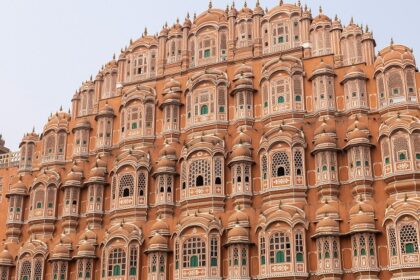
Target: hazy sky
(49,47)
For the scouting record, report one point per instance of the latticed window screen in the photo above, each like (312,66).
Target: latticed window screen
(411,84)
(4,273)
(183,175)
(194,253)
(385,149)
(169,184)
(177,254)
(88,268)
(63,270)
(25,270)
(161,184)
(392,239)
(235,256)
(199,170)
(408,239)
(401,149)
(354,243)
(218,170)
(371,245)
(416,138)
(142,184)
(38,269)
(327,251)
(114,186)
(280,165)
(264,166)
(381,87)
(116,262)
(395,83)
(298,161)
(149,115)
(335,249)
(297,88)
(362,245)
(280,248)
(126,185)
(161,263)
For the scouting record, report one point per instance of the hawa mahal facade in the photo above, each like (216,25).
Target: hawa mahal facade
(240,144)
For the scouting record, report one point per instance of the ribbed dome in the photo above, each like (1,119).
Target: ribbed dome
(325,128)
(360,208)
(86,249)
(158,240)
(356,134)
(6,258)
(166,163)
(238,232)
(60,251)
(237,217)
(326,209)
(167,150)
(18,188)
(327,226)
(325,139)
(321,18)
(241,151)
(159,226)
(242,138)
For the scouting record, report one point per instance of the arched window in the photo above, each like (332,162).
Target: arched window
(392,240)
(204,110)
(141,184)
(395,83)
(280,164)
(25,270)
(299,247)
(133,260)
(235,256)
(327,253)
(38,269)
(199,181)
(279,248)
(194,252)
(262,250)
(126,185)
(116,262)
(408,239)
(213,251)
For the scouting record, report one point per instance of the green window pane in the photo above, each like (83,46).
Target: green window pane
(280,257)
(116,271)
(394,251)
(335,254)
(298,98)
(262,259)
(87,275)
(134,125)
(194,261)
(324,168)
(409,248)
(327,255)
(236,262)
(358,163)
(363,252)
(207,53)
(221,109)
(402,156)
(39,205)
(281,39)
(204,110)
(299,257)
(265,104)
(417,156)
(50,205)
(280,99)
(176,265)
(367,163)
(213,262)
(133,271)
(243,261)
(387,160)
(355,252)
(372,251)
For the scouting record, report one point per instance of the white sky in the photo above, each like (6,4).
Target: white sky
(49,47)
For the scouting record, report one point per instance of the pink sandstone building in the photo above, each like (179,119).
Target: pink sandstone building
(240,144)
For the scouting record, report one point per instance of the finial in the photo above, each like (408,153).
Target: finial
(61,108)
(320,10)
(69,111)
(281,2)
(367,28)
(131,41)
(33,129)
(233,4)
(245,5)
(306,7)
(351,20)
(299,4)
(336,17)
(188,15)
(195,16)
(177,20)
(210,4)
(392,41)
(145,31)
(113,56)
(257,4)
(91,77)
(227,9)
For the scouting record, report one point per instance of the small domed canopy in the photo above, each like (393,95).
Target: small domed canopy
(242,138)
(327,210)
(106,111)
(238,234)
(60,252)
(19,188)
(168,151)
(322,69)
(6,259)
(157,243)
(74,177)
(160,227)
(326,227)
(83,124)
(86,250)
(362,218)
(354,72)
(238,217)
(357,137)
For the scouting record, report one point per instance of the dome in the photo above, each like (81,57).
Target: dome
(73,176)
(167,151)
(326,210)
(238,232)
(355,70)
(241,151)
(160,226)
(394,53)
(357,124)
(325,128)
(172,83)
(357,134)
(6,258)
(238,217)
(18,188)
(324,139)
(158,240)
(101,163)
(60,251)
(166,163)
(211,15)
(361,208)
(322,65)
(86,249)
(327,226)
(97,172)
(106,111)
(242,138)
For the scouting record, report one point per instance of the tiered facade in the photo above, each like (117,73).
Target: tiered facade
(241,144)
